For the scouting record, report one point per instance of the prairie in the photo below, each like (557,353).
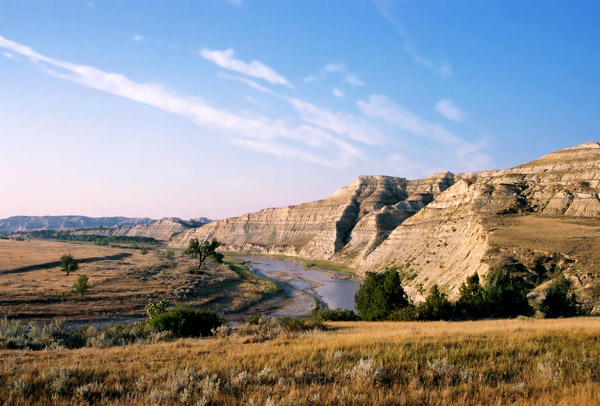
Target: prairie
(32,287)
(501,362)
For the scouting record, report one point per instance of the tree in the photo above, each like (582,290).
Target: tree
(204,251)
(505,295)
(471,302)
(68,264)
(436,306)
(380,294)
(81,286)
(559,300)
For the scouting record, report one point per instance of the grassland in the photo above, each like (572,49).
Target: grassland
(121,282)
(321,264)
(568,243)
(515,362)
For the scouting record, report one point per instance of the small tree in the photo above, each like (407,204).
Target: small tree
(380,294)
(155,309)
(471,302)
(68,264)
(204,251)
(436,306)
(506,295)
(81,286)
(559,300)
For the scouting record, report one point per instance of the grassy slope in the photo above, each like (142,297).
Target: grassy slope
(121,282)
(524,238)
(522,362)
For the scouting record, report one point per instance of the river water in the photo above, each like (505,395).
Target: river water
(333,289)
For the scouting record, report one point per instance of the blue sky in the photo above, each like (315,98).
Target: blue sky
(216,108)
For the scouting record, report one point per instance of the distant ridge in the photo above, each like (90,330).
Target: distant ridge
(28,223)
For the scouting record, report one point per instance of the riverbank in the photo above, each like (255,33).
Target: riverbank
(333,289)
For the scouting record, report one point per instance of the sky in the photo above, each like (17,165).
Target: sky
(216,108)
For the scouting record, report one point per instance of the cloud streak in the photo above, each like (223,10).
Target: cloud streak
(381,107)
(245,81)
(443,70)
(256,69)
(272,136)
(448,109)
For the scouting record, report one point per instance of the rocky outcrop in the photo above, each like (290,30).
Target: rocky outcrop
(325,228)
(439,229)
(449,239)
(162,230)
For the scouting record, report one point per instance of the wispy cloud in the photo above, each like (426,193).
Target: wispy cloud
(274,136)
(337,92)
(138,38)
(384,8)
(334,67)
(448,109)
(337,68)
(353,80)
(256,69)
(343,124)
(246,81)
(237,3)
(7,55)
(379,106)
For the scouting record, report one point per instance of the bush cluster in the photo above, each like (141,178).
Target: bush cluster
(186,321)
(161,325)
(381,297)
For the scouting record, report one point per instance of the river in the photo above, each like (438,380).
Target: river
(333,289)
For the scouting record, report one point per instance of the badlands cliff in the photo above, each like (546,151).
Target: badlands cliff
(444,227)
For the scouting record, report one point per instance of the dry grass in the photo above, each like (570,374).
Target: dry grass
(121,282)
(516,362)
(576,237)
(572,243)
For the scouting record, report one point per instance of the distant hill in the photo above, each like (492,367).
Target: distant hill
(27,223)
(161,230)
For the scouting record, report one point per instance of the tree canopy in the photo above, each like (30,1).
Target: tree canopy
(204,251)
(68,264)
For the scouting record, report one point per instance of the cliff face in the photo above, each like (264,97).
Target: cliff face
(442,228)
(161,230)
(467,228)
(324,228)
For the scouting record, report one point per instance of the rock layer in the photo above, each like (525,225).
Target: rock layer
(435,230)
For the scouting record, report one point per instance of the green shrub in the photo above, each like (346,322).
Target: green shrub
(506,295)
(559,300)
(380,294)
(336,315)
(436,306)
(471,303)
(154,309)
(186,322)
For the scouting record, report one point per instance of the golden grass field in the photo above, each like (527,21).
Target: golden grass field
(121,282)
(503,362)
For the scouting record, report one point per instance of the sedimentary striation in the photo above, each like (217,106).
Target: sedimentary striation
(442,228)
(162,230)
